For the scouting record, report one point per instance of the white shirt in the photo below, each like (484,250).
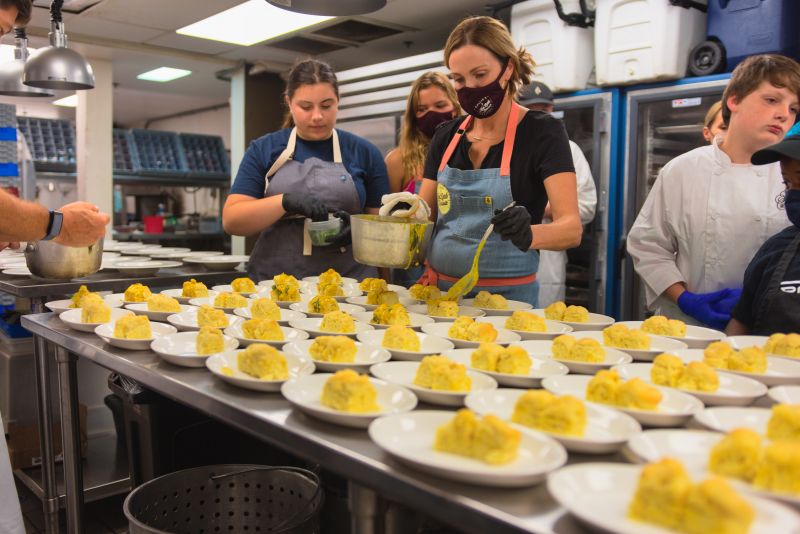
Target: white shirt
(702,223)
(552,272)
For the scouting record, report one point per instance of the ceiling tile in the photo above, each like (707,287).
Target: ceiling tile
(111,30)
(165,15)
(191,44)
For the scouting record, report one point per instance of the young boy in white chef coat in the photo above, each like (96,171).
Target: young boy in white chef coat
(710,209)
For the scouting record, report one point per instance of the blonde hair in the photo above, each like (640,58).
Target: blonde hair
(711,114)
(493,35)
(413,143)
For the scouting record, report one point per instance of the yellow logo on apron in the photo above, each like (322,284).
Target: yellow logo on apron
(487,201)
(442,198)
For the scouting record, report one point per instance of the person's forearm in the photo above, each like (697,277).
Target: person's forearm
(21,220)
(558,235)
(250,217)
(737,328)
(674,291)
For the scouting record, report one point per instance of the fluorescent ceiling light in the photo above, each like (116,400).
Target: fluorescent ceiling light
(163,74)
(249,23)
(70,101)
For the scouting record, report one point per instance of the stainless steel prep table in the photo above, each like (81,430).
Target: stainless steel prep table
(41,291)
(347,452)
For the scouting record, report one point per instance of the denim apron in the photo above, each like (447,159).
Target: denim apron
(466,201)
(285,246)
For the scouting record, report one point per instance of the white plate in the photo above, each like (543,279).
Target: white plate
(305,392)
(73,319)
(111,264)
(17,271)
(224,262)
(742,342)
(596,321)
(302,307)
(727,418)
(312,326)
(504,337)
(366,356)
(403,373)
(187,321)
(144,268)
(297,367)
(197,254)
(466,311)
(140,308)
(410,437)
(513,305)
(181,348)
(697,337)
(361,301)
(167,250)
(658,345)
(675,408)
(178,295)
(693,449)
(60,306)
(544,349)
(553,328)
(785,394)
(209,301)
(733,390)
(779,370)
(607,430)
(106,332)
(348,290)
(540,368)
(289,335)
(285,318)
(227,288)
(416,320)
(427,344)
(314,280)
(599,494)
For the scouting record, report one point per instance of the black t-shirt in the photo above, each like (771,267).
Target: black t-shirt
(541,149)
(759,273)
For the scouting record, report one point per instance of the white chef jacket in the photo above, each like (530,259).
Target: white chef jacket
(552,272)
(702,223)
(10,511)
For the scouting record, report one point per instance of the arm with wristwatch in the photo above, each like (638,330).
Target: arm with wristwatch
(77,224)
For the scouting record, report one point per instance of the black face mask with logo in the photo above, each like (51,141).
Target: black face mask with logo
(483,102)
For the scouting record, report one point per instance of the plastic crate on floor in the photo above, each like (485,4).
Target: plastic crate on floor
(205,155)
(159,153)
(51,142)
(126,158)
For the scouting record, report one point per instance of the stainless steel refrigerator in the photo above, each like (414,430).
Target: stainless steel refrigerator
(662,121)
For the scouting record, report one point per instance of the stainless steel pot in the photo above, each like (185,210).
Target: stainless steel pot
(395,242)
(47,259)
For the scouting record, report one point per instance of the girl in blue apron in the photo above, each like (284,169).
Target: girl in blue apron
(301,174)
(501,152)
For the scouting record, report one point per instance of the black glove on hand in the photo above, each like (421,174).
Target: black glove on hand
(343,237)
(310,207)
(514,224)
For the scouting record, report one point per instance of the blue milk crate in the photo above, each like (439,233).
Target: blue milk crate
(126,159)
(51,142)
(159,153)
(740,28)
(205,155)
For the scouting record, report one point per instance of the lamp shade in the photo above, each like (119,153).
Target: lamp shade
(11,81)
(330,8)
(58,67)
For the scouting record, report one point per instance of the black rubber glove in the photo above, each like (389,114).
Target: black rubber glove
(343,237)
(310,207)
(514,224)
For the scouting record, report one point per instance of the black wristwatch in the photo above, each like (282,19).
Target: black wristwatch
(54,225)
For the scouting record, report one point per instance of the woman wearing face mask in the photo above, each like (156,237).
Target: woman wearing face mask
(305,171)
(501,153)
(713,125)
(770,301)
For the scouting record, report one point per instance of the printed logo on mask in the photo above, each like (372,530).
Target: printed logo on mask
(484,106)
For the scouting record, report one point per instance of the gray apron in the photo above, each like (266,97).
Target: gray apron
(285,246)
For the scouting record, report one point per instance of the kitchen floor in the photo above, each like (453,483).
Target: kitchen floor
(102,517)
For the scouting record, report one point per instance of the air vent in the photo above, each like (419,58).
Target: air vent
(356,31)
(310,47)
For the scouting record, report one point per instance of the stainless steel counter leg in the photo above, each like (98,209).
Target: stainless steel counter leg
(45,420)
(363,504)
(71,438)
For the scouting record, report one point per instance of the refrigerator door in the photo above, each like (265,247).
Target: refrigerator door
(587,116)
(662,122)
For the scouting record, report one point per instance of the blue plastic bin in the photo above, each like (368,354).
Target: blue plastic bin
(746,27)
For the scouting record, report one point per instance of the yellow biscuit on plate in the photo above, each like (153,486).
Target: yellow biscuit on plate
(484,299)
(372,284)
(779,468)
(263,362)
(562,347)
(713,507)
(395,314)
(262,329)
(440,373)
(137,293)
(209,341)
(77,298)
(604,387)
(285,280)
(338,349)
(490,439)
(555,311)
(243,285)
(330,277)
(526,322)
(264,308)
(717,354)
(348,391)
(576,314)
(485,357)
(662,326)
(661,494)
(230,300)
(442,308)
(666,370)
(467,329)
(194,289)
(322,304)
(95,311)
(784,422)
(133,327)
(748,360)
(330,290)
(587,350)
(208,316)
(163,303)
(382,297)
(426,293)
(638,394)
(337,322)
(514,361)
(736,455)
(698,376)
(400,338)
(285,292)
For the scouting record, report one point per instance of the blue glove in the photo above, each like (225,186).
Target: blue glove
(726,305)
(704,307)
